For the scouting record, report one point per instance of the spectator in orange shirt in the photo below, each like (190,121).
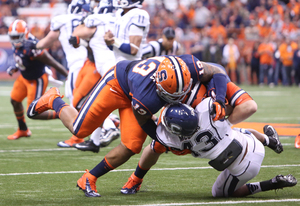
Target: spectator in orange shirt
(286,50)
(217,29)
(265,51)
(37,31)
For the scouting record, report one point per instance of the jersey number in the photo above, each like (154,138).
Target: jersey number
(147,66)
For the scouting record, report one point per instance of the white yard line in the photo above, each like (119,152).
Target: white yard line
(122,170)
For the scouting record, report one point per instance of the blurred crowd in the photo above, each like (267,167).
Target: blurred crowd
(257,41)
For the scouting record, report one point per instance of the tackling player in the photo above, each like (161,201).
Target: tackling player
(236,152)
(138,89)
(33,80)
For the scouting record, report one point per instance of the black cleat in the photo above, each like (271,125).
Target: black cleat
(281,181)
(87,146)
(109,136)
(274,143)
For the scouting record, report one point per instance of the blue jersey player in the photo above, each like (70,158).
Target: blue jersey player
(33,80)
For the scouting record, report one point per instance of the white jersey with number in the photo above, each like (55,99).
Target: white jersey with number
(155,48)
(104,57)
(137,17)
(66,24)
(210,140)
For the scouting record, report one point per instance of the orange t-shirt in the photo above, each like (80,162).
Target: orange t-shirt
(286,53)
(266,52)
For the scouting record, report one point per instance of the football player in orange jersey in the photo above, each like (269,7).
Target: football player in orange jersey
(33,80)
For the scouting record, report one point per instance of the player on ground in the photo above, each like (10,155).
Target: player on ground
(136,89)
(167,45)
(33,80)
(235,152)
(92,31)
(240,107)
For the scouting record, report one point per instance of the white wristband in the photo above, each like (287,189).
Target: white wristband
(84,43)
(117,42)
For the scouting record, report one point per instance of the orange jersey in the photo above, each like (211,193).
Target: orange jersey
(287,52)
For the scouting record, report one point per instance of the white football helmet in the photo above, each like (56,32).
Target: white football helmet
(126,4)
(18,32)
(105,6)
(79,7)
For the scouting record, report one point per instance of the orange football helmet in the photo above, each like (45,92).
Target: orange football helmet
(173,79)
(17,32)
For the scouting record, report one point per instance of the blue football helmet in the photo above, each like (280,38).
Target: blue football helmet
(180,119)
(79,7)
(105,6)
(126,4)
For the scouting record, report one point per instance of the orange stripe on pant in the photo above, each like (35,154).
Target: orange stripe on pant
(105,98)
(85,82)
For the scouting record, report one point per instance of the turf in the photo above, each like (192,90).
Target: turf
(34,171)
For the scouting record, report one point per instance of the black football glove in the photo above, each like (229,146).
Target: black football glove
(74,40)
(218,110)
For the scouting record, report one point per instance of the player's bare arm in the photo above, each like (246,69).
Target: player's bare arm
(135,42)
(48,40)
(209,71)
(47,59)
(84,32)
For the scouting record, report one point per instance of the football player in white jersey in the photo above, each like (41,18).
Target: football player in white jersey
(131,30)
(235,152)
(93,30)
(167,45)
(62,27)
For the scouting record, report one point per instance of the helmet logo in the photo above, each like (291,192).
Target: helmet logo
(162,75)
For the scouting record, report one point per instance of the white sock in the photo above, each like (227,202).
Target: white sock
(108,124)
(254,187)
(95,136)
(267,139)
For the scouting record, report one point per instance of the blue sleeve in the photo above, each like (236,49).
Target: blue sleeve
(221,86)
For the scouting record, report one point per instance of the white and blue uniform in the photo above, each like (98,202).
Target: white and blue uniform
(210,140)
(75,57)
(137,17)
(104,57)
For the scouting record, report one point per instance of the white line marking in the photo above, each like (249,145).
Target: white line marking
(224,203)
(37,150)
(128,170)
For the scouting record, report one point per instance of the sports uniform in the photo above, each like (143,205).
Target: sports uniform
(75,57)
(155,48)
(134,17)
(211,140)
(33,80)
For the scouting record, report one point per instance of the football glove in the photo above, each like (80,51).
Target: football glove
(74,41)
(218,111)
(12,69)
(179,152)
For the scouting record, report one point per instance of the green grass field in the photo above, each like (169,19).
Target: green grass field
(34,171)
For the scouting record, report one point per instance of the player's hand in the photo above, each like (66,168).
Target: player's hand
(109,38)
(12,69)
(74,40)
(218,110)
(179,152)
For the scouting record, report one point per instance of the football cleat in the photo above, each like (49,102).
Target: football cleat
(87,183)
(70,142)
(281,181)
(19,133)
(132,186)
(44,103)
(87,146)
(109,136)
(297,142)
(272,134)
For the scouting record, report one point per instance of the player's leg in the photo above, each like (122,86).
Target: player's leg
(149,157)
(132,139)
(35,89)
(18,94)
